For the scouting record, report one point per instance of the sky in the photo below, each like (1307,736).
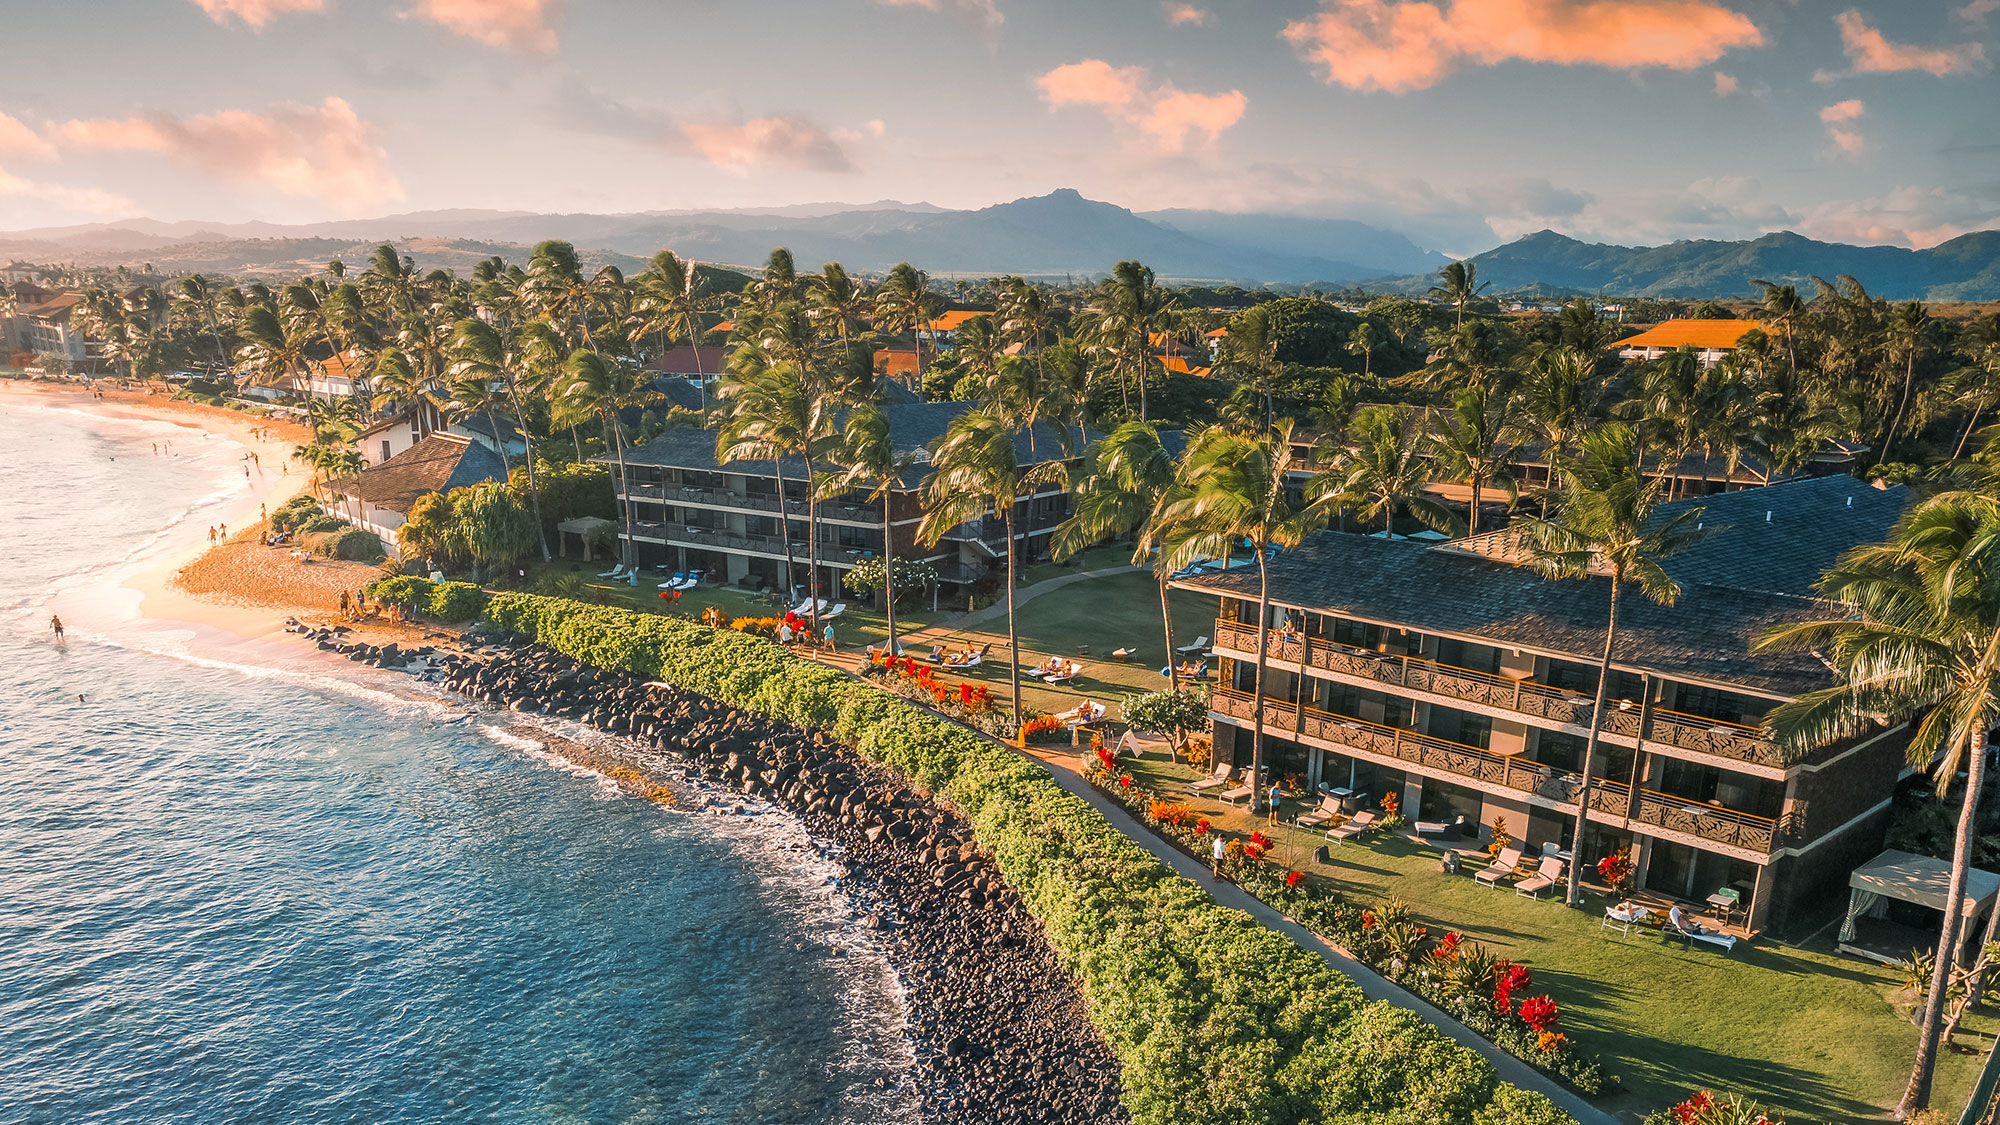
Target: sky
(1462,123)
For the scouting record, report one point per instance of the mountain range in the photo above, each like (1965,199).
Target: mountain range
(1966,268)
(1058,236)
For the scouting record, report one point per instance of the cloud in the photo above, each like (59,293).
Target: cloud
(17,139)
(1918,217)
(323,152)
(782,140)
(1725,85)
(1849,142)
(510,25)
(1531,198)
(1181,14)
(1977,10)
(1871,53)
(984,15)
(256,13)
(1163,113)
(92,202)
(1402,45)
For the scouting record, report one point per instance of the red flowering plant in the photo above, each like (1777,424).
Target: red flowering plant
(1125,781)
(1106,759)
(1508,978)
(1540,1013)
(1293,878)
(1201,827)
(1616,871)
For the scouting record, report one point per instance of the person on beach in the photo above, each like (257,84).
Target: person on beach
(343,603)
(246,472)
(55,626)
(222,531)
(211,533)
(1217,852)
(262,515)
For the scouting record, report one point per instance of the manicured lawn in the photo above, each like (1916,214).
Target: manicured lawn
(1822,1036)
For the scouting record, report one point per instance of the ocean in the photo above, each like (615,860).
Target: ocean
(240,884)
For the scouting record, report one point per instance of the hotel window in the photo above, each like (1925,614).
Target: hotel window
(1358,634)
(1471,657)
(1461,727)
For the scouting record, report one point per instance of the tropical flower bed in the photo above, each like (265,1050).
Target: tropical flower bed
(1461,977)
(1214,1018)
(968,702)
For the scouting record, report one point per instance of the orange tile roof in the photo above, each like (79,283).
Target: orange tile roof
(1181,365)
(1217,333)
(724,326)
(342,366)
(897,361)
(951,321)
(1691,333)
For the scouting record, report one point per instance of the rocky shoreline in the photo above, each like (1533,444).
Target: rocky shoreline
(999,1031)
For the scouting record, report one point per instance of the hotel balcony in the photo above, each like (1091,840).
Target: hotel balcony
(768,545)
(1625,724)
(1611,802)
(736,501)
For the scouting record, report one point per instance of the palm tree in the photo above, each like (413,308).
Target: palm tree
(671,303)
(1025,315)
(838,300)
(1362,342)
(1384,469)
(1669,405)
(1477,442)
(1127,484)
(479,355)
(1908,336)
(974,471)
(1783,307)
(905,303)
(1251,350)
(1236,485)
(869,460)
(1028,393)
(1124,315)
(1920,637)
(1461,285)
(1980,390)
(592,386)
(1609,527)
(196,295)
(272,350)
(769,413)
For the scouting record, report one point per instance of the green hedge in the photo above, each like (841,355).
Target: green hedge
(1214,1018)
(445,601)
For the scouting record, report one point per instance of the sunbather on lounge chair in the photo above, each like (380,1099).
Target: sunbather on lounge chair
(1048,667)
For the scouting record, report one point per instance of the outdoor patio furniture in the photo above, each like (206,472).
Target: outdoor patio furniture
(1123,655)
(1089,711)
(1050,667)
(836,610)
(1679,925)
(615,572)
(1502,867)
(1070,672)
(1547,875)
(1723,904)
(1199,644)
(1357,824)
(1433,827)
(1329,807)
(674,582)
(1239,793)
(1623,917)
(1217,779)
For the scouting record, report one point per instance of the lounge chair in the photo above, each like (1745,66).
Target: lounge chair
(1547,875)
(688,581)
(1239,793)
(1199,644)
(1329,807)
(1680,925)
(1501,868)
(959,662)
(1123,655)
(615,572)
(1071,669)
(1357,824)
(1089,711)
(674,583)
(1053,666)
(835,610)
(1215,780)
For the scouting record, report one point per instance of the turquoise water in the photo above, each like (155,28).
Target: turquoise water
(267,890)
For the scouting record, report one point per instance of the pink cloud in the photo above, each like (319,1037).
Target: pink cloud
(512,25)
(982,14)
(1164,113)
(256,13)
(16,139)
(1403,45)
(784,140)
(1978,10)
(1725,85)
(321,152)
(94,202)
(1846,141)
(1181,14)
(1871,53)
(1843,111)
(1918,217)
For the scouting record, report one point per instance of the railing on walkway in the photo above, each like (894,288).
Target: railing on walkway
(1612,798)
(1522,696)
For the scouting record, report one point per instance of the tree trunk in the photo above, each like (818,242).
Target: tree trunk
(1918,1094)
(1574,893)
(1960,452)
(812,550)
(618,443)
(1896,423)
(889,573)
(528,447)
(1167,619)
(785,534)
(1473,526)
(1263,651)
(1013,636)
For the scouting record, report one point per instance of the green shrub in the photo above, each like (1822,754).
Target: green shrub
(294,512)
(349,543)
(1214,1018)
(457,601)
(410,592)
(319,523)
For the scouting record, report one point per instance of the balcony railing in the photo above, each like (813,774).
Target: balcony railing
(1611,798)
(1522,696)
(730,541)
(747,502)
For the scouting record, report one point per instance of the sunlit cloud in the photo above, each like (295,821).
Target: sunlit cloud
(323,152)
(785,141)
(1725,85)
(1187,15)
(1403,45)
(727,140)
(89,202)
(984,15)
(1838,118)
(256,13)
(1978,10)
(510,25)
(1918,217)
(1163,114)
(18,140)
(1872,53)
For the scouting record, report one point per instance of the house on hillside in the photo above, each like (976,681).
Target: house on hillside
(692,512)
(383,494)
(1711,339)
(1456,679)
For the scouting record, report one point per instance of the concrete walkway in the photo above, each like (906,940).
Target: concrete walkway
(1063,766)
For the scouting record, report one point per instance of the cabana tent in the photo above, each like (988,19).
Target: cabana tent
(1917,879)
(581,527)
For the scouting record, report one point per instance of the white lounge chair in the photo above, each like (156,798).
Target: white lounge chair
(1329,807)
(1680,925)
(1547,875)
(1502,867)
(688,581)
(1089,711)
(1054,665)
(1215,780)
(1357,824)
(1239,793)
(615,572)
(1199,644)
(674,583)
(836,610)
(1071,669)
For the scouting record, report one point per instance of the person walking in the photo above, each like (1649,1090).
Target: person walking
(1218,851)
(55,626)
(343,603)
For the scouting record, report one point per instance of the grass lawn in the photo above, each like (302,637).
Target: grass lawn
(1824,1037)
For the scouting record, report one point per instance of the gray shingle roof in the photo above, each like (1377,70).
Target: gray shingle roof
(1739,582)
(439,463)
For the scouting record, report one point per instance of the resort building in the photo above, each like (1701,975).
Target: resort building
(1449,675)
(380,498)
(47,328)
(692,512)
(1711,339)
